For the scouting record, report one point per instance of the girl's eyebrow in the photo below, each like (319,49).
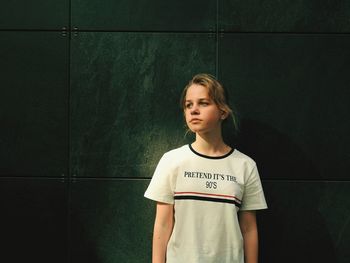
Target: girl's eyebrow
(200,99)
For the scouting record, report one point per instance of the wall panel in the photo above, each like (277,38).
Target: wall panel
(144,15)
(34,15)
(284,16)
(125,98)
(33,221)
(34,104)
(291,92)
(305,222)
(111,221)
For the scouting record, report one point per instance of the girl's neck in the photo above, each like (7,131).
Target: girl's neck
(214,146)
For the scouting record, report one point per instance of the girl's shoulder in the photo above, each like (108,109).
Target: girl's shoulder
(177,152)
(173,158)
(242,157)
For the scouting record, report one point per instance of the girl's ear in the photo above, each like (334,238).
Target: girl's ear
(224,114)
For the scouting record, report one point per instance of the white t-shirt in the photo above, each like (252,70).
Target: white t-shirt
(207,192)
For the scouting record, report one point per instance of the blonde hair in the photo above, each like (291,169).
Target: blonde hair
(215,91)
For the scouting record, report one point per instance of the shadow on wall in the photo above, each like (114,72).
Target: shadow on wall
(292,229)
(277,156)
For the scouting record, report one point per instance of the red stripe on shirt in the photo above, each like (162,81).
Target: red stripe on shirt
(229,196)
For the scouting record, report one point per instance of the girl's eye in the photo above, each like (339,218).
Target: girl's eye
(204,103)
(188,105)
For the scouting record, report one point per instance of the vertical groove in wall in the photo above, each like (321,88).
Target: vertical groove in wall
(68,245)
(217,40)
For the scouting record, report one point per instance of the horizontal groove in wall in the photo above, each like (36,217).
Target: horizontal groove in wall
(110,178)
(65,178)
(284,32)
(178,31)
(144,31)
(34,30)
(305,181)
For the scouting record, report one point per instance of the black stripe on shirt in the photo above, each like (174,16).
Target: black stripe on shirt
(209,199)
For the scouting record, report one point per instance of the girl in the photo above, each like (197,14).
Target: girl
(206,192)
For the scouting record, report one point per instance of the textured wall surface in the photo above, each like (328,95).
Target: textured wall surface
(89,103)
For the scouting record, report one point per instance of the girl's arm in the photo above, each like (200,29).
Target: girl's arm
(247,222)
(163,227)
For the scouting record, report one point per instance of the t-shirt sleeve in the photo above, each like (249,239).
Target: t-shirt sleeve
(161,187)
(253,194)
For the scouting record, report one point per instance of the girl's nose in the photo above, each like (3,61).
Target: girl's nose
(194,109)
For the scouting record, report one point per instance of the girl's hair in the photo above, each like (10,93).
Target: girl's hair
(216,92)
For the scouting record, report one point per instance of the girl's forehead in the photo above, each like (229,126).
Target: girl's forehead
(196,91)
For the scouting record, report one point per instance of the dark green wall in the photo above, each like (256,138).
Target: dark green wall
(89,102)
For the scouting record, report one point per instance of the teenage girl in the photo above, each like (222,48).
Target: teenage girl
(206,192)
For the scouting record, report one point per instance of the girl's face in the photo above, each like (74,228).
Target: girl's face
(201,113)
